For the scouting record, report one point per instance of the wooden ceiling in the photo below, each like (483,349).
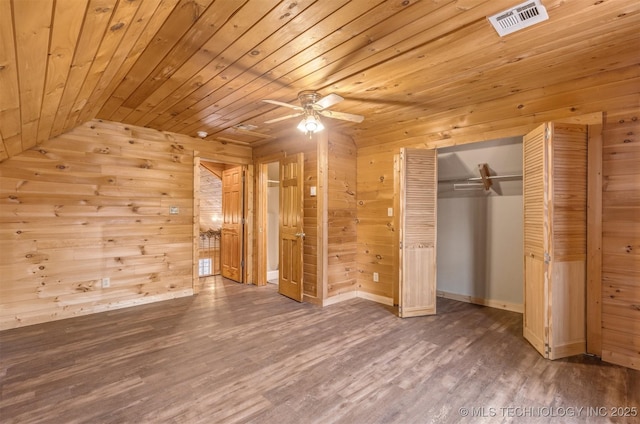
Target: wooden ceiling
(413,68)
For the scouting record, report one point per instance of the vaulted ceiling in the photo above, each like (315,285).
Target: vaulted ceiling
(412,68)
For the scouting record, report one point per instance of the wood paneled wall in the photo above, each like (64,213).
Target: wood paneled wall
(621,239)
(313,242)
(95,203)
(341,215)
(377,239)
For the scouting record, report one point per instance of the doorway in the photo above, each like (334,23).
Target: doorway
(273,221)
(210,219)
(280,236)
(221,220)
(480,230)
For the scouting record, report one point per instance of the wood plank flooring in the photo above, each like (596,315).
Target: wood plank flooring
(244,354)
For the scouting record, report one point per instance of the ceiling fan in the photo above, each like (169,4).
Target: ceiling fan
(312,104)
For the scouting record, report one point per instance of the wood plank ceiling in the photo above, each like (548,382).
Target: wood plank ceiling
(411,67)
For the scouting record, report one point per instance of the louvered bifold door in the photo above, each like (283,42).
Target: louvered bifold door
(535,320)
(568,243)
(554,191)
(418,202)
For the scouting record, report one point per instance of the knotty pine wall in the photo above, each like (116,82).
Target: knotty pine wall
(94,203)
(377,239)
(621,239)
(341,215)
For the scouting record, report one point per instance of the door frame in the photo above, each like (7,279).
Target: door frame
(248,273)
(260,239)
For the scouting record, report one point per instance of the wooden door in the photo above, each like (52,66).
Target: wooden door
(554,192)
(418,201)
(535,223)
(231,232)
(568,239)
(291,235)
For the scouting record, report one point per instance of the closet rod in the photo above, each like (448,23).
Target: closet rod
(490,177)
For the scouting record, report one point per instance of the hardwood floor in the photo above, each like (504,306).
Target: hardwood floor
(239,353)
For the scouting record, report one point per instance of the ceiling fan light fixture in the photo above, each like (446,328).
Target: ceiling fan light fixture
(310,124)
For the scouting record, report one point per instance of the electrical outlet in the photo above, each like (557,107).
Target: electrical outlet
(106,282)
(389,211)
(376,277)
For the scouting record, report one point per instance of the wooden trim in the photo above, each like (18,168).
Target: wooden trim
(249,213)
(260,222)
(376,298)
(311,299)
(260,242)
(594,239)
(196,224)
(339,298)
(492,303)
(395,286)
(322,284)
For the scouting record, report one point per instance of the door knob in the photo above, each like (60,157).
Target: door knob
(300,235)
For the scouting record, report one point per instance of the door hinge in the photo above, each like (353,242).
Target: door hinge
(547,350)
(547,133)
(242,264)
(547,257)
(400,245)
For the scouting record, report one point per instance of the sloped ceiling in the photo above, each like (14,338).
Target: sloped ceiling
(414,69)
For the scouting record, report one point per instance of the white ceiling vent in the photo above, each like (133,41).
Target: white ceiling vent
(519,17)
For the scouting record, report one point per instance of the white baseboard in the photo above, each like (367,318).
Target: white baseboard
(498,304)
(273,275)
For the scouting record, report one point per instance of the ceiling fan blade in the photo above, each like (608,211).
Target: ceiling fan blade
(329,100)
(282,118)
(341,115)
(277,103)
